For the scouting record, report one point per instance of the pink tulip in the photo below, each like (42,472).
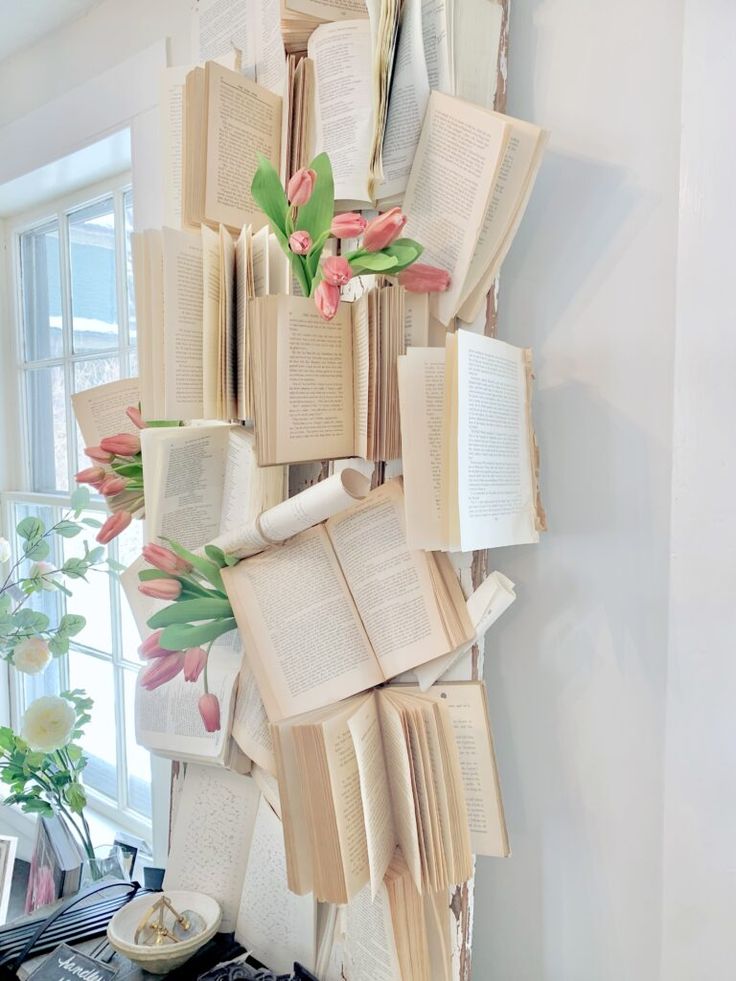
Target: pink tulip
(124,444)
(300,242)
(194,661)
(165,589)
(92,475)
(165,560)
(381,231)
(421,278)
(113,485)
(134,414)
(97,454)
(150,648)
(114,525)
(301,186)
(209,709)
(327,299)
(163,669)
(348,225)
(336,270)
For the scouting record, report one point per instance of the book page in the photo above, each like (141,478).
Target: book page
(514,176)
(275,925)
(437,49)
(477,36)
(184,470)
(407,105)
(183,299)
(100,411)
(496,494)
(390,583)
(421,374)
(365,728)
(314,383)
(370,947)
(361,373)
(211,837)
(247,489)
(167,719)
(243,288)
(466,703)
(416,320)
(251,729)
(211,282)
(450,183)
(270,54)
(343,71)
(224,26)
(305,642)
(170,108)
(328,9)
(244,120)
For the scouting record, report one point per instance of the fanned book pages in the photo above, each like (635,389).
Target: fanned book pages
(344,606)
(364,776)
(227,842)
(470,455)
(228,121)
(470,181)
(327,389)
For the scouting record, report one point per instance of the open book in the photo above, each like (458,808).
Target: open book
(227,842)
(390,767)
(327,389)
(470,456)
(203,481)
(228,121)
(344,606)
(471,179)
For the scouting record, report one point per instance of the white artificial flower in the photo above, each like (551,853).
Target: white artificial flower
(31,655)
(48,723)
(4,550)
(41,570)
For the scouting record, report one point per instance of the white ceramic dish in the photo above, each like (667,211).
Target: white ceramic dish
(161,960)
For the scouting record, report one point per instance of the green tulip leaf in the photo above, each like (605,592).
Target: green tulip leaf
(316,215)
(270,196)
(374,262)
(187,611)
(180,636)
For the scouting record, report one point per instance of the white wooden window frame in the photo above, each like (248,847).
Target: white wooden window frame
(17,430)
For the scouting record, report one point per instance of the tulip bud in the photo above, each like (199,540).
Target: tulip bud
(301,186)
(194,661)
(150,647)
(209,709)
(165,560)
(163,669)
(113,485)
(124,444)
(336,270)
(92,475)
(164,589)
(114,525)
(348,225)
(134,414)
(422,278)
(300,242)
(381,231)
(97,454)
(327,299)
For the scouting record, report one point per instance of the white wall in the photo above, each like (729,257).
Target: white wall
(577,669)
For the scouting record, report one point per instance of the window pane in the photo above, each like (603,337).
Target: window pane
(92,597)
(139,760)
(132,332)
(94,294)
(47,443)
(96,678)
(40,277)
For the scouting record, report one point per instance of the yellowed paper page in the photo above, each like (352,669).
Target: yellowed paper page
(183,299)
(328,9)
(100,411)
(251,728)
(211,282)
(170,107)
(370,948)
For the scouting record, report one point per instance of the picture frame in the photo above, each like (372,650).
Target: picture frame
(8,849)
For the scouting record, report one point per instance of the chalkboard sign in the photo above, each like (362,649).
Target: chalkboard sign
(67,964)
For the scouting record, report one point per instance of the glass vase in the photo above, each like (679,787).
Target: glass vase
(108,863)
